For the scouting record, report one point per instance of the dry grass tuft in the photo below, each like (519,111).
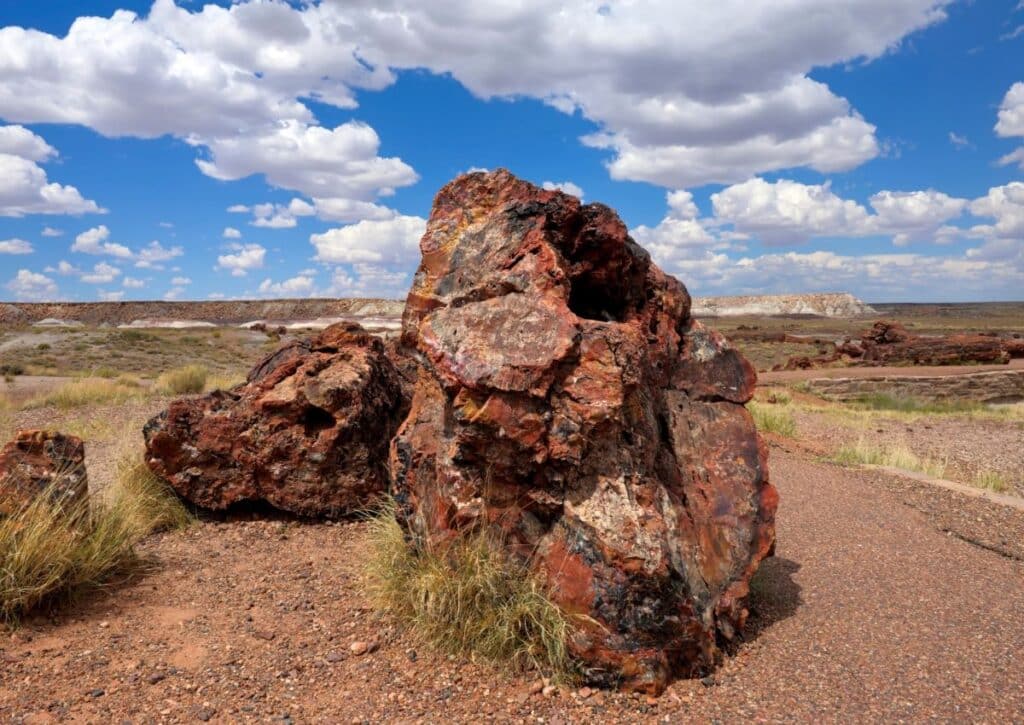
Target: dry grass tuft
(183,381)
(773,418)
(468,600)
(49,552)
(224,381)
(991,481)
(87,391)
(894,456)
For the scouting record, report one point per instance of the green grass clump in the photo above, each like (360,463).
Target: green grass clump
(777,419)
(184,380)
(86,391)
(50,552)
(991,481)
(892,456)
(467,600)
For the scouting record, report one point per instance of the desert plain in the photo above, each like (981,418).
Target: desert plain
(894,592)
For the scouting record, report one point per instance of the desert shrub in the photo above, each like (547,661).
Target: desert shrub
(893,456)
(224,381)
(86,391)
(467,600)
(777,419)
(9,369)
(106,372)
(50,552)
(991,481)
(134,337)
(43,346)
(182,381)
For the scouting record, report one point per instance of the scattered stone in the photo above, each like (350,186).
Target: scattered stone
(307,433)
(97,693)
(38,461)
(334,657)
(567,399)
(359,648)
(205,714)
(156,677)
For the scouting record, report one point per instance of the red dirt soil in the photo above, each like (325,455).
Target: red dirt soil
(871,610)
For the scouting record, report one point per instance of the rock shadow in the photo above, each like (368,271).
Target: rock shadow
(774,595)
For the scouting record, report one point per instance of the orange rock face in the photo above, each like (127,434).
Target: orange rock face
(567,402)
(39,461)
(307,433)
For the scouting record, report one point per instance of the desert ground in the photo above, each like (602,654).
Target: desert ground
(894,593)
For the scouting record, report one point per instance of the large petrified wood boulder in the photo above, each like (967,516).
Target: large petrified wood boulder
(889,343)
(40,462)
(307,433)
(568,403)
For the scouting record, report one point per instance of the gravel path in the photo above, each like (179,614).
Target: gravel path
(869,612)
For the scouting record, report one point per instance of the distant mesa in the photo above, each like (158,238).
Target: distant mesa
(378,315)
(833,304)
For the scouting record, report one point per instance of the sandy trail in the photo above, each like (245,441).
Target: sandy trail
(869,611)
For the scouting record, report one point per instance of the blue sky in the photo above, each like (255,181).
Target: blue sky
(871,146)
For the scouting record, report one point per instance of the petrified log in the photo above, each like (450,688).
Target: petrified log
(885,332)
(38,462)
(307,432)
(568,404)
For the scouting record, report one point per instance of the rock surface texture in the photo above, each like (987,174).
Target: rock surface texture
(39,461)
(568,403)
(307,433)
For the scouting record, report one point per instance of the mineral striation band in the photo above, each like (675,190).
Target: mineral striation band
(567,402)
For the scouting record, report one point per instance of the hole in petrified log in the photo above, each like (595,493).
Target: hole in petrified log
(316,419)
(592,302)
(607,277)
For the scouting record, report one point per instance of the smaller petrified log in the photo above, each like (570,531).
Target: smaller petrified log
(39,461)
(307,432)
(889,343)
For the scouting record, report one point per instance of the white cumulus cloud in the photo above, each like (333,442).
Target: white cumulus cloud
(32,286)
(391,241)
(102,273)
(298,286)
(15,246)
(24,186)
(567,186)
(95,241)
(243,260)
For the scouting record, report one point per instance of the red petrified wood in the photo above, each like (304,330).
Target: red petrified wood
(307,433)
(40,461)
(567,401)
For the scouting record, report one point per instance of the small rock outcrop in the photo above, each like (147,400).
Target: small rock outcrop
(307,432)
(568,404)
(40,461)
